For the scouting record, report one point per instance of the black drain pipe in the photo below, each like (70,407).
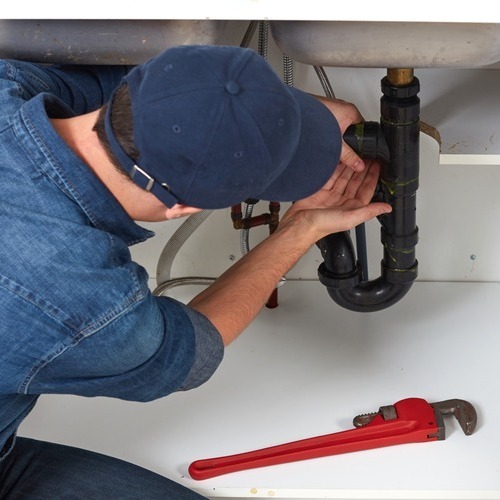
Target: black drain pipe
(340,272)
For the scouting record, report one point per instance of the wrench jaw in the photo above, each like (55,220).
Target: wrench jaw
(462,410)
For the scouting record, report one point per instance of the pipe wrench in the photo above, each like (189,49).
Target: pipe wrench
(410,420)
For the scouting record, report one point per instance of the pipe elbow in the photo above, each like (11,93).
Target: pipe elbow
(367,296)
(341,275)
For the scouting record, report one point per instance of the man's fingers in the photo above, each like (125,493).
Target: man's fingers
(366,187)
(349,158)
(342,179)
(362,184)
(355,217)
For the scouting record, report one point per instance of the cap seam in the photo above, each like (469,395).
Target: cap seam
(191,90)
(214,129)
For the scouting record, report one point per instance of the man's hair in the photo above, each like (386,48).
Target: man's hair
(122,123)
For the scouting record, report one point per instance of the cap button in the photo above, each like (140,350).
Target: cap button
(232,87)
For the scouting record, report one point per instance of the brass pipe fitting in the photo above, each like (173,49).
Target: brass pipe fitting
(400,77)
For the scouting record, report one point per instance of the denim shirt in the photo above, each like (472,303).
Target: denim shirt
(77,316)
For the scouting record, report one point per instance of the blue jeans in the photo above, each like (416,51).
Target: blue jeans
(38,470)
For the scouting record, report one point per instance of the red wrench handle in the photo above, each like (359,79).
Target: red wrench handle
(376,434)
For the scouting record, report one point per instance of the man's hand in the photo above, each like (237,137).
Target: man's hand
(342,203)
(346,114)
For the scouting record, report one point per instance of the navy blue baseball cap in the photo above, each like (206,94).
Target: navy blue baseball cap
(215,125)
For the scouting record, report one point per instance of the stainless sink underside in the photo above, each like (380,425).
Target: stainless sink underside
(389,44)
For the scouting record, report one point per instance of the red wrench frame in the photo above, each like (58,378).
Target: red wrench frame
(410,420)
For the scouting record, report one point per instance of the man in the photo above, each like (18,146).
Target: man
(86,151)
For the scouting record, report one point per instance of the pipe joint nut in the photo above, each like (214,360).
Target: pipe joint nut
(400,276)
(338,281)
(400,92)
(398,241)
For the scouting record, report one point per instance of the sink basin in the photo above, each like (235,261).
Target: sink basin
(101,42)
(374,44)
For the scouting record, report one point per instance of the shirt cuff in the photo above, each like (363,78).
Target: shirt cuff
(209,350)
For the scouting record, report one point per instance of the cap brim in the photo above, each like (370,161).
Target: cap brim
(316,156)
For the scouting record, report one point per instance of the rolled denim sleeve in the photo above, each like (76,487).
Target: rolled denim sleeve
(209,350)
(85,88)
(82,88)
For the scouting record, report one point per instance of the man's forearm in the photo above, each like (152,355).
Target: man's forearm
(235,299)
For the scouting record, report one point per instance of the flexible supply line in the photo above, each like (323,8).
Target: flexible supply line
(245,233)
(325,82)
(263,39)
(162,289)
(287,70)
(170,251)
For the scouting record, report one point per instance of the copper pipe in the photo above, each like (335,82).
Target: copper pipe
(400,77)
(271,219)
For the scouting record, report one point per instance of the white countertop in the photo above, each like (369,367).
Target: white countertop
(480,11)
(305,369)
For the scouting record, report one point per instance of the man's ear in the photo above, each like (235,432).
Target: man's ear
(179,210)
